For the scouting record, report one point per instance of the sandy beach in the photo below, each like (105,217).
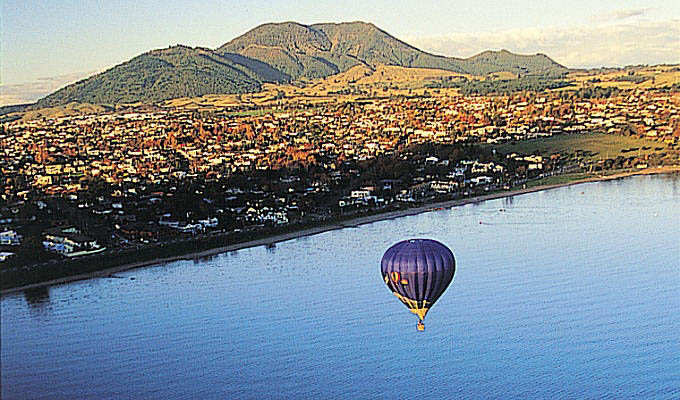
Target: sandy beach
(348,223)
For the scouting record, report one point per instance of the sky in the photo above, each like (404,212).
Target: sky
(46,44)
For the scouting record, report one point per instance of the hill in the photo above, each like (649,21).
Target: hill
(158,75)
(276,53)
(70,109)
(519,64)
(320,50)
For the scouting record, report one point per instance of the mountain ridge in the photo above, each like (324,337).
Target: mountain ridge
(298,49)
(276,52)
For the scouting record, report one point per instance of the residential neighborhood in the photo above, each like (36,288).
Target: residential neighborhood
(80,185)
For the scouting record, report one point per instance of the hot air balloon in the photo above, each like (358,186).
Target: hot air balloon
(418,271)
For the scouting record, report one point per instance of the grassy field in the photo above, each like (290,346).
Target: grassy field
(559,179)
(592,146)
(392,77)
(384,81)
(64,111)
(649,77)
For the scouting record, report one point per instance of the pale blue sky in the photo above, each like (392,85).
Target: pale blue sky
(46,41)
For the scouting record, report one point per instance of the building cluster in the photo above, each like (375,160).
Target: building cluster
(153,175)
(70,242)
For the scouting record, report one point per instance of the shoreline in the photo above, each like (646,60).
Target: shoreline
(353,222)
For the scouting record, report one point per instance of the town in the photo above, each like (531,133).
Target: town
(92,185)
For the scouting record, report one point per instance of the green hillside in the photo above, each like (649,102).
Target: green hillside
(494,61)
(159,75)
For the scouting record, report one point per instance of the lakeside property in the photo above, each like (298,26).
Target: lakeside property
(143,182)
(119,179)
(563,294)
(90,272)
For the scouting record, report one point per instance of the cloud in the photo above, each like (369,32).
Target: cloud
(29,92)
(577,47)
(620,15)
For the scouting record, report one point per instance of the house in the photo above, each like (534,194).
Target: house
(431,160)
(190,228)
(10,238)
(481,180)
(441,186)
(275,217)
(405,196)
(209,222)
(360,194)
(70,242)
(6,255)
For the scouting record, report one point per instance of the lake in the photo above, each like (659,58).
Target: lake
(570,293)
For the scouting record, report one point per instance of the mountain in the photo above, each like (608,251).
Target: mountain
(320,50)
(276,52)
(177,71)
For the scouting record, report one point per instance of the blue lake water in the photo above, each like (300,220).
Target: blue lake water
(568,293)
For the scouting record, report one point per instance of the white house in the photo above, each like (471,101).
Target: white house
(481,180)
(360,194)
(6,255)
(10,238)
(69,242)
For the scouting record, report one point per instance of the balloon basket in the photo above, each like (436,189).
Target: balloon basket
(420,326)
